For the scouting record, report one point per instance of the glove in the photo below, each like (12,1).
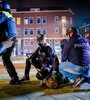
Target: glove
(54,72)
(43,73)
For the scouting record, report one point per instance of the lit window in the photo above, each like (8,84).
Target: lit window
(38,20)
(44,20)
(44,30)
(31,31)
(25,31)
(25,21)
(31,20)
(56,29)
(26,42)
(18,21)
(38,30)
(18,31)
(86,35)
(56,18)
(31,41)
(63,19)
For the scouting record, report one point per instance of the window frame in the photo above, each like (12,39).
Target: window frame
(36,20)
(29,31)
(20,31)
(37,29)
(56,28)
(45,20)
(19,20)
(29,20)
(24,20)
(24,31)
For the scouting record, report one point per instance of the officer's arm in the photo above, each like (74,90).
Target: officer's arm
(48,52)
(2,17)
(35,54)
(66,50)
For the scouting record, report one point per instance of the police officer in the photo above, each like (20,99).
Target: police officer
(44,59)
(7,39)
(76,57)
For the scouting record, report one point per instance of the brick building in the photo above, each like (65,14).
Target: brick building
(52,22)
(85,28)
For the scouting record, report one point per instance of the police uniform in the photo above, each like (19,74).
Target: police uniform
(7,40)
(76,58)
(43,57)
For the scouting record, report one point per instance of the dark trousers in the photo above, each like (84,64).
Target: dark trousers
(7,61)
(29,63)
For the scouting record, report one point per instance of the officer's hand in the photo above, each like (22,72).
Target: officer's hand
(43,73)
(54,72)
(46,69)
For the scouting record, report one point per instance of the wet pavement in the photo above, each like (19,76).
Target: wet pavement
(39,95)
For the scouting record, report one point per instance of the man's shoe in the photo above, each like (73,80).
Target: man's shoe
(78,81)
(14,81)
(25,78)
(66,80)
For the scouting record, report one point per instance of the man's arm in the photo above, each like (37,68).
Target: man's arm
(35,54)
(66,50)
(53,58)
(2,17)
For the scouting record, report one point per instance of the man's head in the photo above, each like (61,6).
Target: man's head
(72,31)
(53,81)
(41,40)
(4,6)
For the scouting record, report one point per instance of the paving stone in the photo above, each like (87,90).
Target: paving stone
(65,97)
(38,96)
(82,95)
(85,86)
(16,98)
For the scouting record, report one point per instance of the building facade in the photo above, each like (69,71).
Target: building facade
(52,23)
(85,31)
(85,28)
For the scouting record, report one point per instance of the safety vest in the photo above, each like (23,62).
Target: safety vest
(6,13)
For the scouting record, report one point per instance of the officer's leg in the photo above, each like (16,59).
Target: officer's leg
(9,67)
(68,70)
(27,70)
(28,67)
(8,63)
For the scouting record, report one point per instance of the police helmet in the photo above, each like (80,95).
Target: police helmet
(40,37)
(72,29)
(4,5)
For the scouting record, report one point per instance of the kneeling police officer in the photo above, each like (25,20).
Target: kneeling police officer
(44,59)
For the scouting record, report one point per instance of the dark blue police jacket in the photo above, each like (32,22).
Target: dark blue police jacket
(77,51)
(7,24)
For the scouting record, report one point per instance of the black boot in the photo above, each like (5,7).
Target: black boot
(66,80)
(25,78)
(14,81)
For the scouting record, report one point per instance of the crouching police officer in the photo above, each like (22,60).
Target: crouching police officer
(44,59)
(76,58)
(7,39)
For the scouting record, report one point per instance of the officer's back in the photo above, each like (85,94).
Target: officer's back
(7,23)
